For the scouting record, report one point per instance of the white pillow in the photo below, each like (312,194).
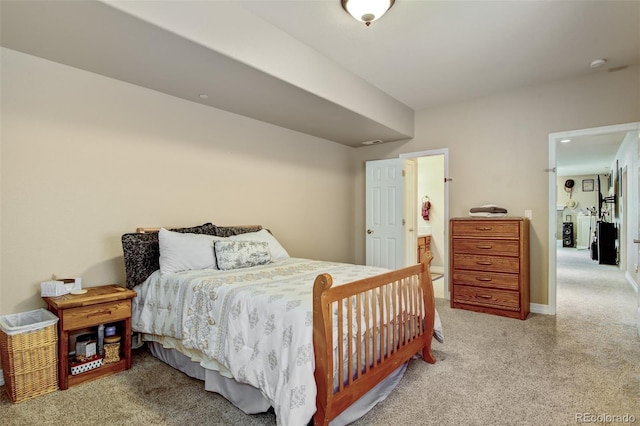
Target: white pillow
(277,251)
(183,252)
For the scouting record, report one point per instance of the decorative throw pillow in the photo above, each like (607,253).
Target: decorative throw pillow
(277,251)
(184,252)
(241,254)
(227,231)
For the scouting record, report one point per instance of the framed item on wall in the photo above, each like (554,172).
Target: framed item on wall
(587,185)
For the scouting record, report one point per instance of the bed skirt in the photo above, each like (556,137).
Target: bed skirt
(249,399)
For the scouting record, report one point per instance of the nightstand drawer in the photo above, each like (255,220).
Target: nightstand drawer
(487,247)
(486,279)
(486,263)
(477,296)
(486,229)
(87,316)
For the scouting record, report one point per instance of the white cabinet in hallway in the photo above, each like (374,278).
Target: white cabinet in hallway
(584,229)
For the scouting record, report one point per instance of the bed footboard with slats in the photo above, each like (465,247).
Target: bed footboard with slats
(364,330)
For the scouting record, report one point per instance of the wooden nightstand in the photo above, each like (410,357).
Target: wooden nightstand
(107,304)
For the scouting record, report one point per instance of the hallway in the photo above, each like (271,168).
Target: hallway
(592,293)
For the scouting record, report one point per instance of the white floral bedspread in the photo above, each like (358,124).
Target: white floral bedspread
(256,322)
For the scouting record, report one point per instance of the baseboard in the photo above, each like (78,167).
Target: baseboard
(536,308)
(631,281)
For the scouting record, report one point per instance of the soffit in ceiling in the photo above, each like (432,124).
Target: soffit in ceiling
(96,37)
(421,54)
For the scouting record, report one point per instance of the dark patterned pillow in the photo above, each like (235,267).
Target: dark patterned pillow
(142,252)
(227,231)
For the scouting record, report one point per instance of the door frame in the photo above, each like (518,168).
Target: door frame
(623,212)
(554,139)
(445,252)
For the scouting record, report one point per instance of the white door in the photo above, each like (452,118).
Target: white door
(385,211)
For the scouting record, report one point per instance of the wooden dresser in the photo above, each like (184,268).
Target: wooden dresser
(489,260)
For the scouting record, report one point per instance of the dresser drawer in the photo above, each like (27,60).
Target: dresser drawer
(487,297)
(486,229)
(486,279)
(86,316)
(486,263)
(487,247)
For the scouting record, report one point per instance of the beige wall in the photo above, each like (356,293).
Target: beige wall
(85,159)
(498,148)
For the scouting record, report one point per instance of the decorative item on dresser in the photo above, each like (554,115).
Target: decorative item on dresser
(490,265)
(109,304)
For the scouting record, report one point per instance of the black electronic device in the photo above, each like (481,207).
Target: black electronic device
(567,234)
(606,237)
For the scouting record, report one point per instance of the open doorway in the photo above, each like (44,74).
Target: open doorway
(432,211)
(592,179)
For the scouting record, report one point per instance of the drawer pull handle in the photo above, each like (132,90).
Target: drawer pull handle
(485,279)
(484,263)
(484,246)
(483,228)
(94,314)
(484,296)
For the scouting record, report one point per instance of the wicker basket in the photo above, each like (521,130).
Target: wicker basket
(29,358)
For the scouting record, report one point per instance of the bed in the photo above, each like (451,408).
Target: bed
(314,340)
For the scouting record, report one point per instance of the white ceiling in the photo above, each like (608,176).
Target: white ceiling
(421,54)
(585,155)
(429,53)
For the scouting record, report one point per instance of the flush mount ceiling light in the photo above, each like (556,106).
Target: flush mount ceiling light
(367,11)
(597,63)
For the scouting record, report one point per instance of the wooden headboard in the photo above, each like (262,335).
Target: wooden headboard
(142,251)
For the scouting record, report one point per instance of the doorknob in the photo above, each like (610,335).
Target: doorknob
(636,241)
(369,231)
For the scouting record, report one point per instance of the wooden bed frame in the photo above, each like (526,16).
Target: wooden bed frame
(407,292)
(394,312)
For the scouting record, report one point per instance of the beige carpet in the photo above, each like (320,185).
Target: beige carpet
(490,371)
